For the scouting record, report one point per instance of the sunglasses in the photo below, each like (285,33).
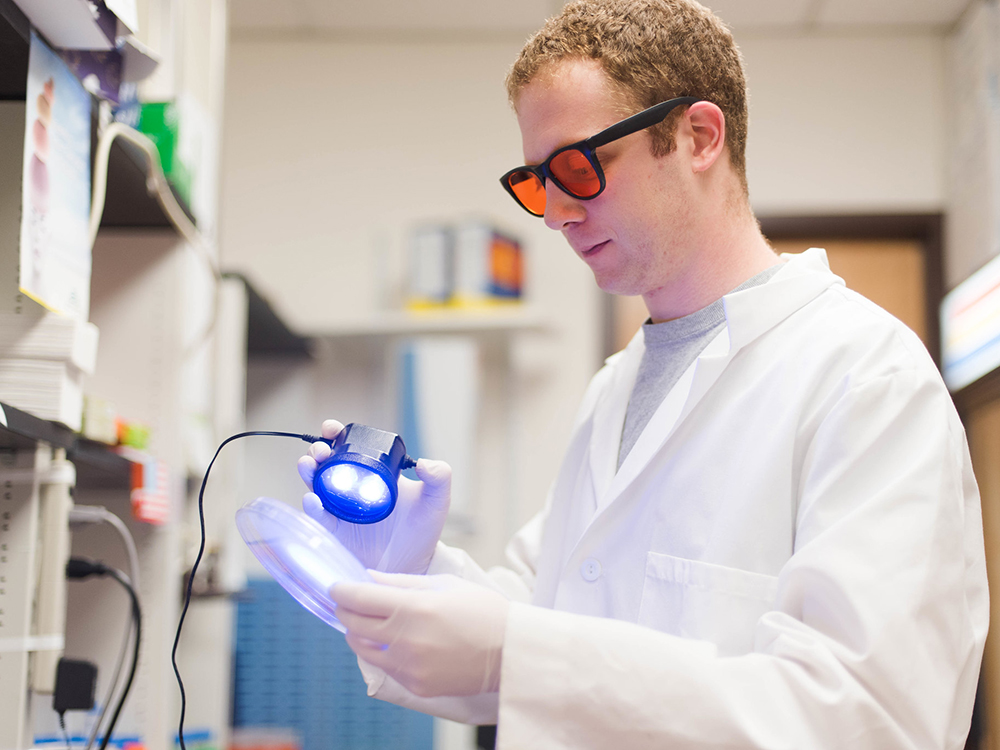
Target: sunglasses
(574,168)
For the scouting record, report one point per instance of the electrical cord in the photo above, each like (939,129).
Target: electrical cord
(79,568)
(201,552)
(62,725)
(114,684)
(89,514)
(157,185)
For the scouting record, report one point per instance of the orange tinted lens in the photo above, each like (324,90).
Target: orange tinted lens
(529,190)
(576,173)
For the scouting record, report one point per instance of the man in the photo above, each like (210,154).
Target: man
(766,532)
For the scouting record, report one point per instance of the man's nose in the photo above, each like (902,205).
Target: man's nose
(561,209)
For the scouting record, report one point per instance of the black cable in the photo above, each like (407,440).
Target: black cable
(201,552)
(79,567)
(62,723)
(114,684)
(137,618)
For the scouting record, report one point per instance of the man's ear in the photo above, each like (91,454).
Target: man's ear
(708,133)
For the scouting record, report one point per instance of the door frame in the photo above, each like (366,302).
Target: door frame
(926,229)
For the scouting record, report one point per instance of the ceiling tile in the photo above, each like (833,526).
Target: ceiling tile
(755,14)
(430,15)
(267,14)
(938,13)
(524,16)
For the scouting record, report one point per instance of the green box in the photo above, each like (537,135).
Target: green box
(160,123)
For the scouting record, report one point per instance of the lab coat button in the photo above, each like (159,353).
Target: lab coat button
(591,569)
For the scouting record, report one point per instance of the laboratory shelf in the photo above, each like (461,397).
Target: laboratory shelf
(513,319)
(15,31)
(23,431)
(267,333)
(129,203)
(97,465)
(145,372)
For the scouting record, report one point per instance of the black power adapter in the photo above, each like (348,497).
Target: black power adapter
(75,685)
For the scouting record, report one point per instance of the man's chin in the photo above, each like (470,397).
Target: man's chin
(615,285)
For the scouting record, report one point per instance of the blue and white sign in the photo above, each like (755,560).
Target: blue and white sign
(970,327)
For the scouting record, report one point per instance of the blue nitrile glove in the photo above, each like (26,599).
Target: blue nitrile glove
(405,541)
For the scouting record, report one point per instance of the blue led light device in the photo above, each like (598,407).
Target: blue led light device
(359,482)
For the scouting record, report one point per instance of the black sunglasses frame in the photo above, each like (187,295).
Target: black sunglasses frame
(633,124)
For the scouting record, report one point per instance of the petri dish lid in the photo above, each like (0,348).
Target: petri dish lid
(302,556)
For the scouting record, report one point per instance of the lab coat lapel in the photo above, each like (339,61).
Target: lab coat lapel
(749,314)
(609,418)
(677,404)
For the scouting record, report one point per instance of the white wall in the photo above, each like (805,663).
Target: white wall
(846,123)
(333,150)
(973,229)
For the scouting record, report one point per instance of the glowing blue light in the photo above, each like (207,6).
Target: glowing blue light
(342,478)
(373,488)
(355,483)
(358,482)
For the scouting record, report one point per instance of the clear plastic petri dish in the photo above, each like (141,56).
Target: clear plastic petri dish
(299,553)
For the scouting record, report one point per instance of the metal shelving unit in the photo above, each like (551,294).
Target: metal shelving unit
(23,431)
(145,371)
(97,466)
(129,203)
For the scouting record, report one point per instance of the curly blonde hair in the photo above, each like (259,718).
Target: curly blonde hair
(651,50)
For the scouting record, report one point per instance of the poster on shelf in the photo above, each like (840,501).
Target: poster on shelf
(55,257)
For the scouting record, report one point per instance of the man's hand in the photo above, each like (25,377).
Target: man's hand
(435,635)
(405,541)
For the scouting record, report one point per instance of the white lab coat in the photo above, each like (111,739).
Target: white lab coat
(790,557)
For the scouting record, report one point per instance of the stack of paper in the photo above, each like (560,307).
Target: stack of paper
(43,361)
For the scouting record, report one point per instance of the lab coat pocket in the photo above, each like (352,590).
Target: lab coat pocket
(705,601)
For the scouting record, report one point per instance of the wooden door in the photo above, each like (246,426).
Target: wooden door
(983,426)
(891,273)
